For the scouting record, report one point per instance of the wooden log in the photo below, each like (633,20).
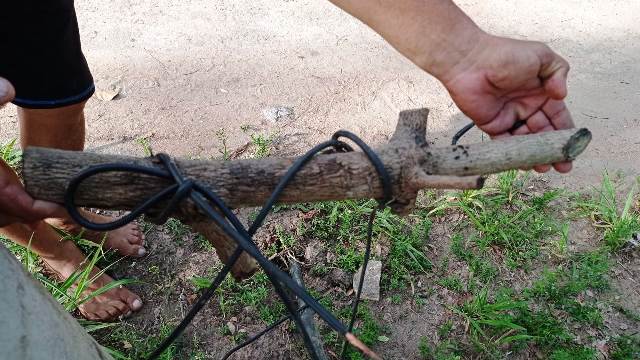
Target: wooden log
(244,267)
(412,164)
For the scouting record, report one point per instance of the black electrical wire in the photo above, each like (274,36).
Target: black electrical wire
(354,311)
(365,262)
(466,128)
(260,334)
(461,132)
(229,223)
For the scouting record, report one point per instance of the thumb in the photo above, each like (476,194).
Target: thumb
(7,91)
(553,72)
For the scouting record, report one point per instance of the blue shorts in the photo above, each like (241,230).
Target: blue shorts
(41,54)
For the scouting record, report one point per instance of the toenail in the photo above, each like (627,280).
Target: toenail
(142,251)
(137,304)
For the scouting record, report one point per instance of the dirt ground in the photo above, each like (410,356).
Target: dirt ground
(189,69)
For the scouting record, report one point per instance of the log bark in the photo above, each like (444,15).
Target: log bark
(412,164)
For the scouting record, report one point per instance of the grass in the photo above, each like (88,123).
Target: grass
(492,322)
(134,344)
(625,347)
(574,353)
(262,144)
(505,227)
(444,350)
(551,309)
(146,146)
(75,290)
(503,217)
(545,329)
(10,154)
(232,296)
(367,329)
(222,137)
(480,266)
(452,283)
(505,221)
(619,221)
(581,272)
(178,230)
(342,225)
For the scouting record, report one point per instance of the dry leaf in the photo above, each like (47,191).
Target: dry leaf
(109,94)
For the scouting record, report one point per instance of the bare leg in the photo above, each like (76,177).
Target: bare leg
(64,128)
(64,257)
(60,128)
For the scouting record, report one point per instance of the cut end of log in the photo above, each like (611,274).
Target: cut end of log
(577,143)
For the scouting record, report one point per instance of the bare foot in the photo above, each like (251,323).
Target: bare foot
(127,240)
(107,306)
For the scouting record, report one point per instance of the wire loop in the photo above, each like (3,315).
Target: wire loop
(211,205)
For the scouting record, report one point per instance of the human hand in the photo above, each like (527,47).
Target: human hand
(502,81)
(15,204)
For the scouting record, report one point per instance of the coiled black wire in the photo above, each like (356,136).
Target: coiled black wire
(206,200)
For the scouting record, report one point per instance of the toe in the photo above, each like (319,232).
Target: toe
(89,315)
(121,307)
(113,311)
(135,237)
(103,315)
(132,300)
(138,251)
(542,168)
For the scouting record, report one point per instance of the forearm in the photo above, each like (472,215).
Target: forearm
(433,34)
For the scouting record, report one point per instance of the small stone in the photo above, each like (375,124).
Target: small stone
(387,317)
(624,326)
(232,327)
(371,285)
(339,277)
(278,113)
(312,251)
(378,250)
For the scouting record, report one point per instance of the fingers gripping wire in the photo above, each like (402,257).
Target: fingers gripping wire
(213,207)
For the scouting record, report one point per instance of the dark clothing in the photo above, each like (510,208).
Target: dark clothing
(40,54)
